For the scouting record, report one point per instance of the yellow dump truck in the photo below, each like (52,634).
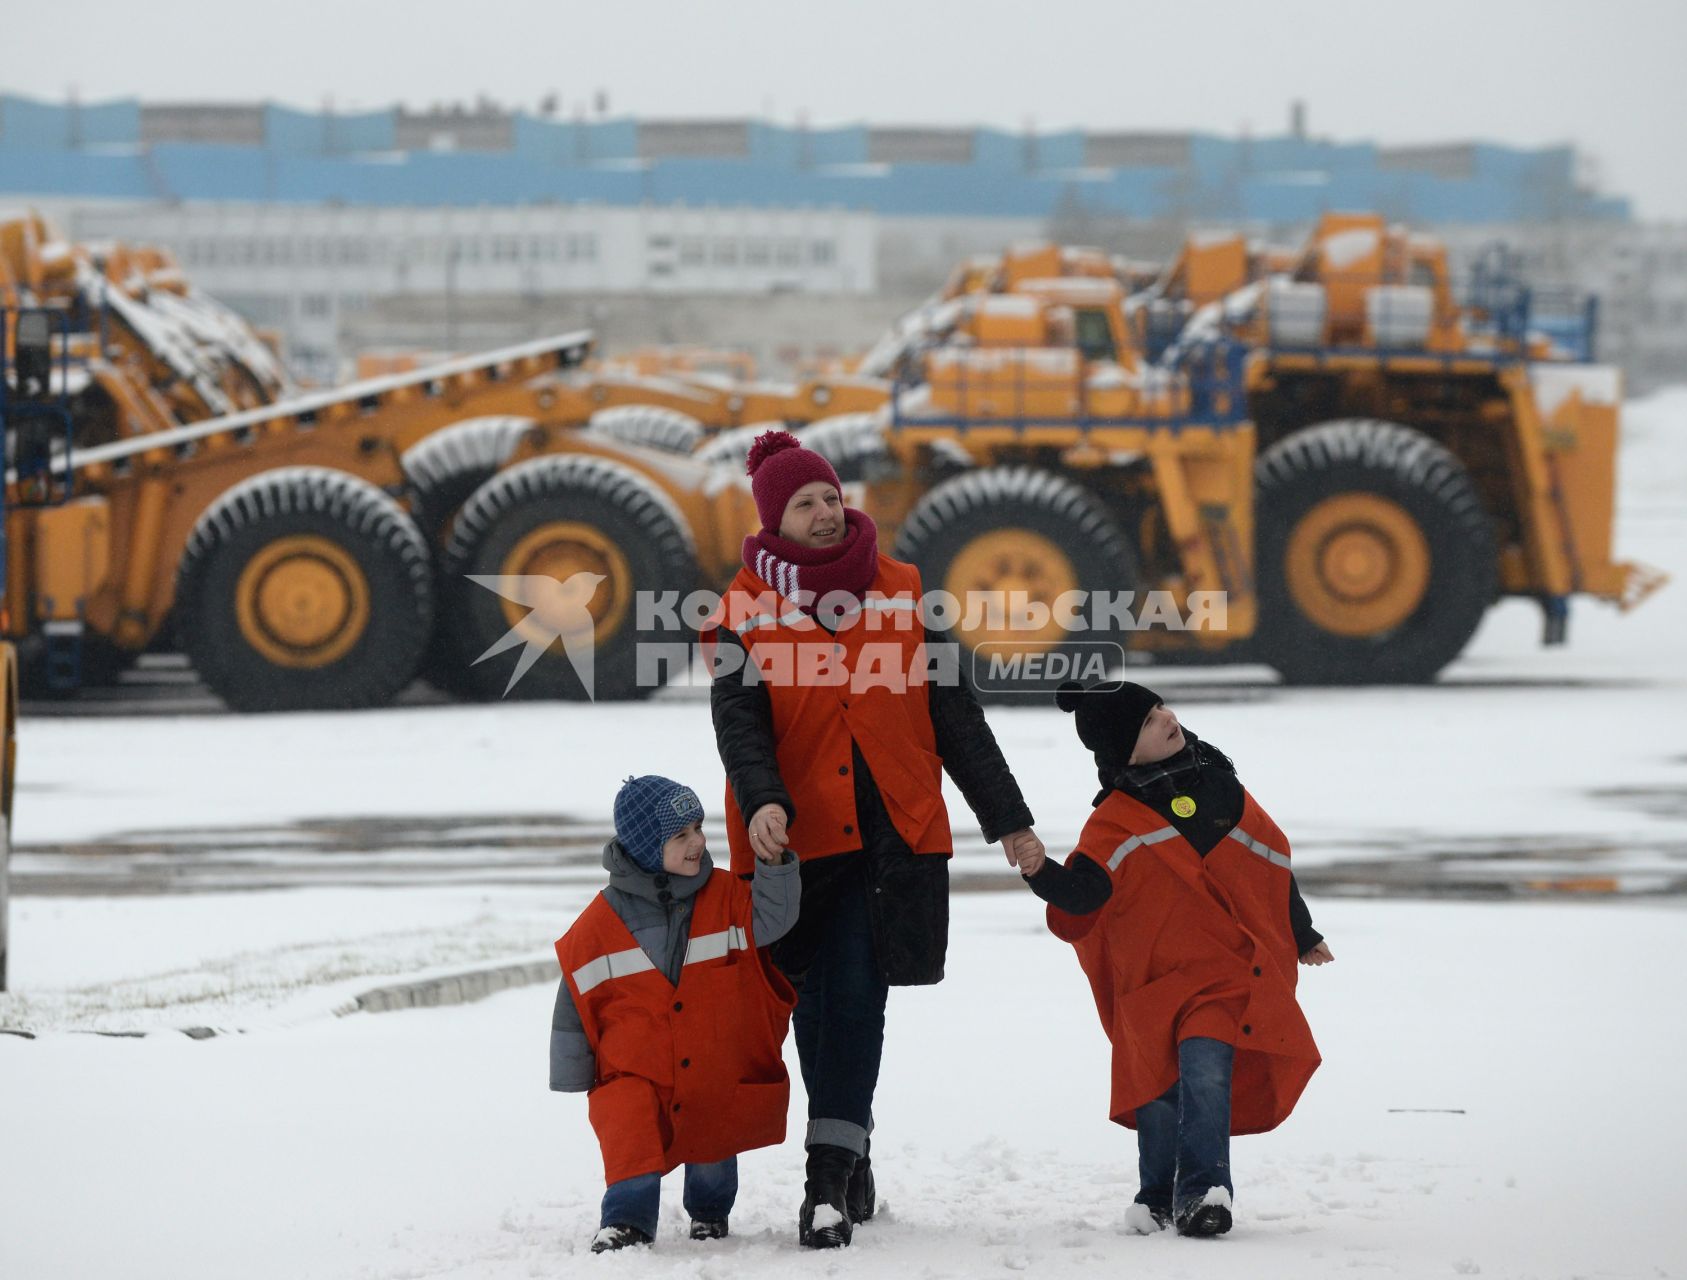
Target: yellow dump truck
(1418,456)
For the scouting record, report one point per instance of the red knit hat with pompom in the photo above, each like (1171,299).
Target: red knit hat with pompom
(778,467)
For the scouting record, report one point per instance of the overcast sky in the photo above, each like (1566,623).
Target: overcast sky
(1606,75)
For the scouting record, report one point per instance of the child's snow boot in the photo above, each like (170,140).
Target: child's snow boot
(862,1198)
(702,1229)
(1208,1216)
(823,1222)
(618,1236)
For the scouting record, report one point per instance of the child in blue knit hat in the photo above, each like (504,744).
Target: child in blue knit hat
(670,1017)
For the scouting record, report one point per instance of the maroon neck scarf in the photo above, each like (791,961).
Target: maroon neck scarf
(805,575)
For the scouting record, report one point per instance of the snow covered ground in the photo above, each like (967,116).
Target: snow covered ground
(1499,1095)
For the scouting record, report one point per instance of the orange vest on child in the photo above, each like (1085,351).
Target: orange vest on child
(1191,946)
(864,683)
(689,1074)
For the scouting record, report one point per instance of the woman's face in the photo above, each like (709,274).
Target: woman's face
(814,517)
(1160,737)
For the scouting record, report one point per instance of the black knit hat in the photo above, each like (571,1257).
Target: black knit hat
(1110,716)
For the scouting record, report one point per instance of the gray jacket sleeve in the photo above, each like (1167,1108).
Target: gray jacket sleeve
(573,1068)
(776,897)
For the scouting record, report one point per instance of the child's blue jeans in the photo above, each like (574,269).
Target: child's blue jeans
(1183,1136)
(710,1190)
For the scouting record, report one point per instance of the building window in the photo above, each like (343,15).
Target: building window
(588,247)
(316,306)
(822,253)
(790,253)
(757,253)
(726,253)
(691,253)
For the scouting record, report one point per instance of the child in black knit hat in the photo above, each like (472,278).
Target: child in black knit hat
(1188,923)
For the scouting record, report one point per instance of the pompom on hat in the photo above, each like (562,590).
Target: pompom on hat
(778,466)
(1109,715)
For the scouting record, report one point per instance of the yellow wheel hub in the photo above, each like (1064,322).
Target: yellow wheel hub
(1357,564)
(302,601)
(561,550)
(1008,563)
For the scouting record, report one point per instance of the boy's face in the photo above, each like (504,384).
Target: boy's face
(1160,737)
(682,855)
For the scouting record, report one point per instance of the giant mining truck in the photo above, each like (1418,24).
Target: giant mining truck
(286,540)
(1414,456)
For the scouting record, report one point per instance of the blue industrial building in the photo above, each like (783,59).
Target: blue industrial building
(130,150)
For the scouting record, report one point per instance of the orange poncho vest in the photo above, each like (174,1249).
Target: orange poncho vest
(867,683)
(1191,946)
(689,1074)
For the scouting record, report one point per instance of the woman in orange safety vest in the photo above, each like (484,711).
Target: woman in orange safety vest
(836,726)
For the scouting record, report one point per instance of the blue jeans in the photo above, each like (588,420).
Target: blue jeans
(839,1020)
(710,1190)
(1183,1136)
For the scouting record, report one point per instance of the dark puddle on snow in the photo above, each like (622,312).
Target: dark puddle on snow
(553,849)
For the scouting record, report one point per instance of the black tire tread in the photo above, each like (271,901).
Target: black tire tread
(649,425)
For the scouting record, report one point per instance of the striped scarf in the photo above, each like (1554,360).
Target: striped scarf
(805,575)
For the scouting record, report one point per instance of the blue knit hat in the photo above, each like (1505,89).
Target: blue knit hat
(649,811)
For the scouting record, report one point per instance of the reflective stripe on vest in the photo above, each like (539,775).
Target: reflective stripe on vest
(617,964)
(795,618)
(1153,837)
(712,946)
(1254,846)
(621,964)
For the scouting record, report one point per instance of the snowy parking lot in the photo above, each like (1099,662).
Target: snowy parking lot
(1499,862)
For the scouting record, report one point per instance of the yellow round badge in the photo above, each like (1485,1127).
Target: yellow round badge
(1183,806)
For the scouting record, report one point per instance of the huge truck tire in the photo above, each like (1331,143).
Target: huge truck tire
(852,442)
(528,534)
(1017,529)
(649,425)
(731,448)
(1376,555)
(444,468)
(302,589)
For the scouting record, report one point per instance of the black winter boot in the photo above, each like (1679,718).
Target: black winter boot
(618,1236)
(1208,1216)
(702,1229)
(862,1198)
(823,1222)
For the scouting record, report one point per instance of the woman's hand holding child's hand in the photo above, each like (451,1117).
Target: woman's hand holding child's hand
(1024,851)
(767,832)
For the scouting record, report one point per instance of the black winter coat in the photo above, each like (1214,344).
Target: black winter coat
(907,891)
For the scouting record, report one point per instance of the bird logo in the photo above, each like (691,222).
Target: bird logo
(558,610)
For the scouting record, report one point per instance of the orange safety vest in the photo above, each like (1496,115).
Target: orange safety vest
(1191,946)
(866,683)
(689,1074)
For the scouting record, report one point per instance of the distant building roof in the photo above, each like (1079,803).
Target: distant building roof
(485,155)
